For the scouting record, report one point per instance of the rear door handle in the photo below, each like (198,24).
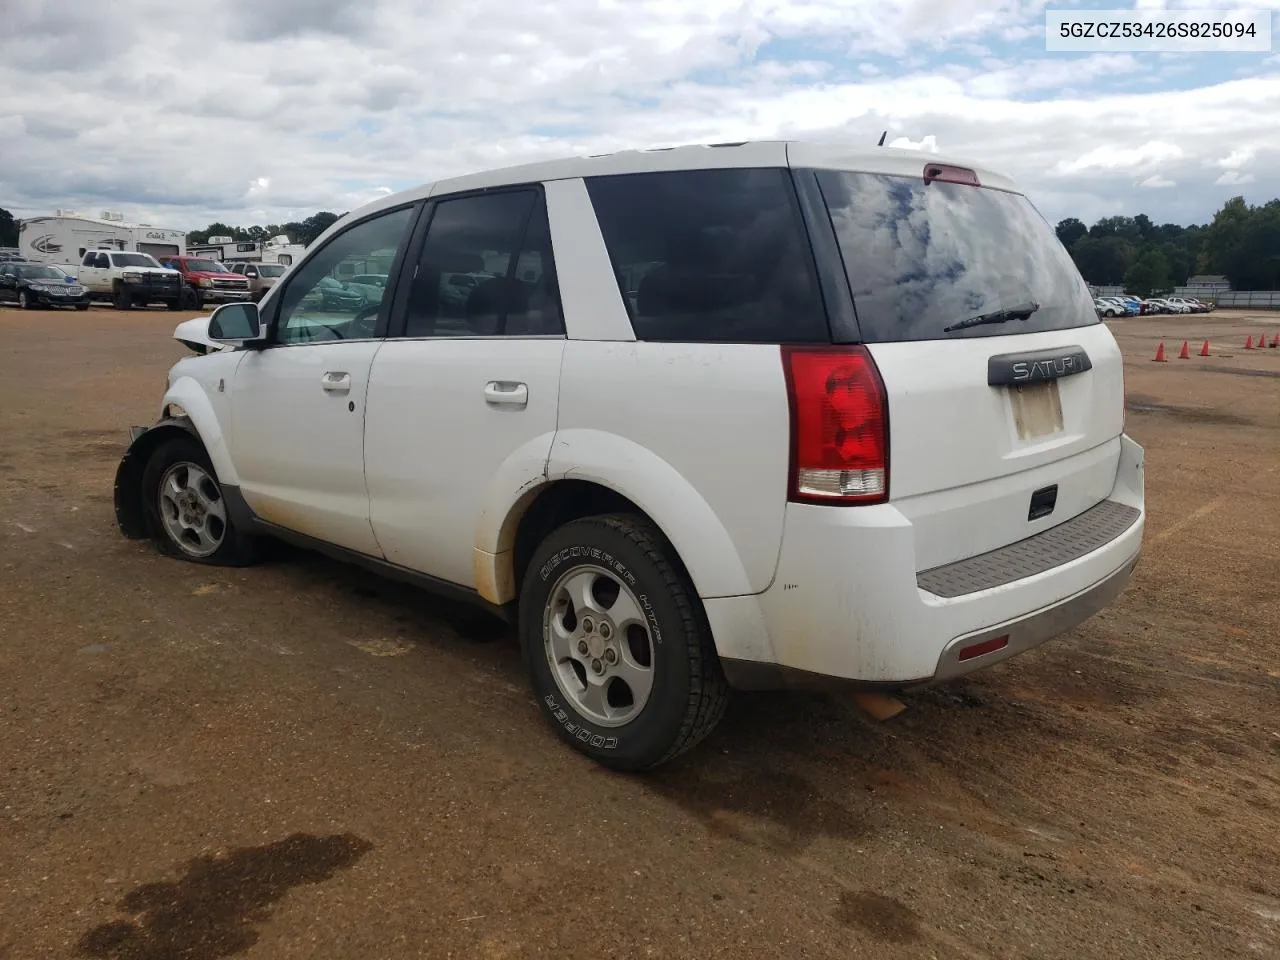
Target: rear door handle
(507,393)
(336,382)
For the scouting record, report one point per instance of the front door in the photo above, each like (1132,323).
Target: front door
(298,408)
(463,396)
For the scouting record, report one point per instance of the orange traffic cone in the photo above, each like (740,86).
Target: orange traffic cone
(1262,341)
(1159,357)
(1275,341)
(1204,351)
(1183,354)
(1248,343)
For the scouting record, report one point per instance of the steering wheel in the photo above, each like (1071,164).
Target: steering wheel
(361,324)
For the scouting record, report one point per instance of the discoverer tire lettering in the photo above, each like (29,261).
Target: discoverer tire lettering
(688,693)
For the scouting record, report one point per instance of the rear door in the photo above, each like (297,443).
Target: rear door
(463,395)
(1006,393)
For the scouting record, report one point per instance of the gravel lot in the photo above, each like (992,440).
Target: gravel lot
(298,760)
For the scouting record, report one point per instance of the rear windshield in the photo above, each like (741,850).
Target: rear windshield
(921,257)
(711,255)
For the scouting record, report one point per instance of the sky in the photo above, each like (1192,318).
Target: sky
(248,112)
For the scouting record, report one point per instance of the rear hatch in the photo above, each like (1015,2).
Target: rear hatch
(1005,391)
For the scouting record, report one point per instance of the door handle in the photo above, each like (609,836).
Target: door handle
(335,382)
(507,393)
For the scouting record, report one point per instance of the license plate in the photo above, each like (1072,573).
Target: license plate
(1037,409)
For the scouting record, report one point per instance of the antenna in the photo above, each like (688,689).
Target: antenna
(882,136)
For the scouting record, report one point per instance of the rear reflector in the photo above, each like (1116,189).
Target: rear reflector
(946,173)
(839,426)
(985,647)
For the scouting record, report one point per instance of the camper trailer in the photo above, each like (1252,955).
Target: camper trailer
(67,236)
(279,249)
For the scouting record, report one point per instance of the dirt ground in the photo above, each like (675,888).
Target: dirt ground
(298,760)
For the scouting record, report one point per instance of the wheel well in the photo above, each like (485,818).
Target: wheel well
(128,487)
(558,504)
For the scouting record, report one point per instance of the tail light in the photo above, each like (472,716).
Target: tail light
(839,426)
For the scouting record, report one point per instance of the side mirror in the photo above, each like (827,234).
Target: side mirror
(251,274)
(235,323)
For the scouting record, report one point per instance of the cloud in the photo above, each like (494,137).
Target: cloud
(1115,157)
(272,112)
(1232,177)
(1236,159)
(929,144)
(1157,181)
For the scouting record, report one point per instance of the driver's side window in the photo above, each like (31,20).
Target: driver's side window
(319,304)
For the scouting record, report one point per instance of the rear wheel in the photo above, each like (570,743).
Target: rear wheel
(186,512)
(617,646)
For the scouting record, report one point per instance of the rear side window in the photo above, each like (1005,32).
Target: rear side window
(922,257)
(711,255)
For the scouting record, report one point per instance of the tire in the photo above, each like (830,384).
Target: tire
(183,463)
(621,559)
(174,305)
(82,306)
(123,298)
(24,301)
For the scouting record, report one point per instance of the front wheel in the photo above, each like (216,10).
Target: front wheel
(123,298)
(24,300)
(82,306)
(186,512)
(616,643)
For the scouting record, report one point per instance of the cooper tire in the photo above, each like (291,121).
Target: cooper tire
(183,462)
(687,692)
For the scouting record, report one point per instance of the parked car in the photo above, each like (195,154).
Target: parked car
(261,276)
(32,285)
(129,279)
(1193,305)
(1108,308)
(209,280)
(747,473)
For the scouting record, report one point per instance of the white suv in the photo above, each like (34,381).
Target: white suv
(745,415)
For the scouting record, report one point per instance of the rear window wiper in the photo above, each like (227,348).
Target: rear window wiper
(1019,311)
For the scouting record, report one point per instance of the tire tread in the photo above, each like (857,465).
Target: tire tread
(708,689)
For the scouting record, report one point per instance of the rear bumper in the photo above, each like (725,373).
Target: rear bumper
(848,604)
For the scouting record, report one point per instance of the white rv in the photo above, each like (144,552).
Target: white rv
(279,249)
(67,236)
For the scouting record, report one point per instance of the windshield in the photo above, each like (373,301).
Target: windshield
(924,257)
(205,266)
(133,260)
(270,270)
(40,273)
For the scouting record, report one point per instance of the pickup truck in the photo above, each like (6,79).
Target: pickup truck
(128,279)
(209,280)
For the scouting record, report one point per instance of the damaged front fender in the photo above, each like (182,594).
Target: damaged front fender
(131,515)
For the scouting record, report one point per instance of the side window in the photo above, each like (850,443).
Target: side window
(102,260)
(486,270)
(711,255)
(319,304)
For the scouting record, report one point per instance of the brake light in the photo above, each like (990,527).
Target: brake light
(839,426)
(946,173)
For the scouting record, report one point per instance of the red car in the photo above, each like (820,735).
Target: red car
(209,280)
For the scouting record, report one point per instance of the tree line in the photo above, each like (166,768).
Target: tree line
(1242,243)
